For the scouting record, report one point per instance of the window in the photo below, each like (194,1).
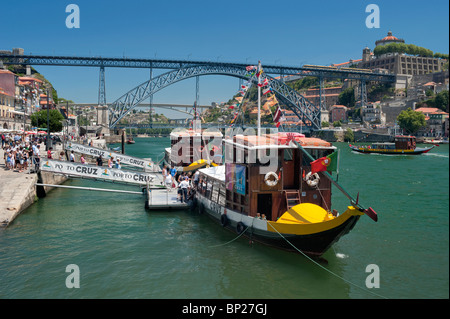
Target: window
(222,194)
(288,154)
(215,191)
(208,188)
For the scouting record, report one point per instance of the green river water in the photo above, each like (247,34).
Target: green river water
(124,251)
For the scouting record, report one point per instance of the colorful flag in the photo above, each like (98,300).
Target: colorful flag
(251,67)
(278,117)
(272,100)
(326,163)
(259,73)
(267,90)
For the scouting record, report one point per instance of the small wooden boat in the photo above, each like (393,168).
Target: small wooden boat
(403,145)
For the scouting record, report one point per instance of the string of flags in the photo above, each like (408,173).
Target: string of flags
(278,116)
(263,82)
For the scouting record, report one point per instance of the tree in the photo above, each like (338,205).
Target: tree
(441,100)
(39,119)
(411,121)
(347,97)
(349,136)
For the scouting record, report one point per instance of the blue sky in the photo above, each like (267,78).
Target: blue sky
(283,32)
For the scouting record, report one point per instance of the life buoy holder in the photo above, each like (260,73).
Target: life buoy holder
(312,179)
(240,227)
(271,179)
(224,220)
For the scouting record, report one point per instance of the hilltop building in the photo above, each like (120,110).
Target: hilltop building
(399,63)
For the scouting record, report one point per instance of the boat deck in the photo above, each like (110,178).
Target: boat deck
(158,199)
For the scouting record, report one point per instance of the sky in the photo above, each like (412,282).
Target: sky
(284,32)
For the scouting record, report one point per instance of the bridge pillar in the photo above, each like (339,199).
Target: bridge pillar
(103,115)
(322,102)
(363,93)
(101,87)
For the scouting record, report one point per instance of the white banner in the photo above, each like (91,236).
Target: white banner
(101,172)
(107,154)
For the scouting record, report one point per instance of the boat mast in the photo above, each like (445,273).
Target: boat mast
(259,98)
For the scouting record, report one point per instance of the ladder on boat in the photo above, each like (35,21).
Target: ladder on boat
(292,198)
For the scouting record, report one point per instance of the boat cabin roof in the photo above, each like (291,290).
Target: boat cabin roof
(278,140)
(192,133)
(216,172)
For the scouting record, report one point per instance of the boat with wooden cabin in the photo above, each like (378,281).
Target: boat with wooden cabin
(276,202)
(403,145)
(191,149)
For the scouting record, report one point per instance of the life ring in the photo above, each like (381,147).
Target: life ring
(224,220)
(312,179)
(240,227)
(271,181)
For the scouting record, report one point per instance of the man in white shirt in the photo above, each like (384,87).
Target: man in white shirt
(184,185)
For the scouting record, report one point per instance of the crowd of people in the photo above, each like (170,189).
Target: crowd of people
(183,182)
(20,152)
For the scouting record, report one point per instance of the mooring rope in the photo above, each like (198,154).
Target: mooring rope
(228,242)
(334,274)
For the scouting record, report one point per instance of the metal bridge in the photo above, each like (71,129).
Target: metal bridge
(184,69)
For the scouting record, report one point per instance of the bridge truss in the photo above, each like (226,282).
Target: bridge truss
(184,69)
(303,108)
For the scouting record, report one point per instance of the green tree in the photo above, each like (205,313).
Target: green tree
(349,136)
(441,100)
(411,121)
(347,97)
(39,119)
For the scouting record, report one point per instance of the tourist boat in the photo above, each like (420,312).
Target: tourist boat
(434,141)
(280,204)
(403,145)
(266,190)
(191,149)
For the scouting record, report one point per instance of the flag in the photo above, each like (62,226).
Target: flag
(267,90)
(251,67)
(259,73)
(278,117)
(244,87)
(273,100)
(326,163)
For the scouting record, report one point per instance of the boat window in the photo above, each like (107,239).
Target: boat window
(208,188)
(288,154)
(215,191)
(222,195)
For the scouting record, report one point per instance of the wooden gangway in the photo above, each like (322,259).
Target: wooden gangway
(158,196)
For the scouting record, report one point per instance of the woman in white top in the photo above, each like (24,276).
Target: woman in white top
(168,181)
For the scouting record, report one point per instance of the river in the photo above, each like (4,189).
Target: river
(124,251)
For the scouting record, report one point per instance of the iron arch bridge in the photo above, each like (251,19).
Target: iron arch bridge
(302,107)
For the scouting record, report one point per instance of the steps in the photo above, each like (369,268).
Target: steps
(292,198)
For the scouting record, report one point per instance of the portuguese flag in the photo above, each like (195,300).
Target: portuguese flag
(327,163)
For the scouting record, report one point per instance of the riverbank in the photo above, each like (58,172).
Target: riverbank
(18,190)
